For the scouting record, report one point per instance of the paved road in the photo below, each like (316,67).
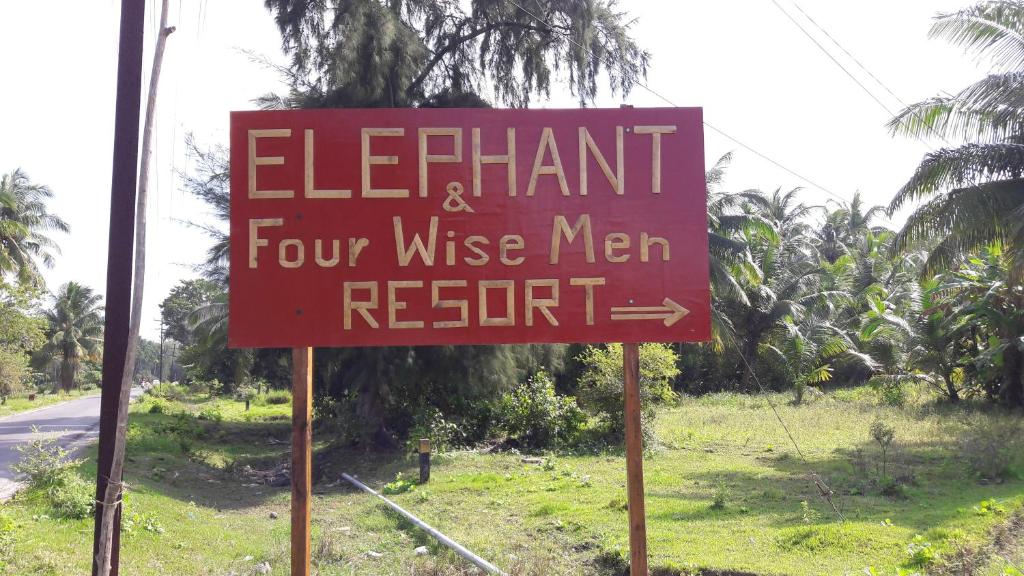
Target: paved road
(74,424)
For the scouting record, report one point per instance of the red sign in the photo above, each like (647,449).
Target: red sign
(473,226)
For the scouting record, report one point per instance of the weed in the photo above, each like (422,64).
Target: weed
(920,553)
(808,514)
(6,538)
(720,497)
(989,507)
(400,485)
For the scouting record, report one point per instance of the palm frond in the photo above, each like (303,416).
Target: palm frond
(993,29)
(960,167)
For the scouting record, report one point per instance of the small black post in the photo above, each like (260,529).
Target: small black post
(424,460)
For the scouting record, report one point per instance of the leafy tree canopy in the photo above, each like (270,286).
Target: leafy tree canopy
(399,53)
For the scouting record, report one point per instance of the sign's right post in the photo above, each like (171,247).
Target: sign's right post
(634,461)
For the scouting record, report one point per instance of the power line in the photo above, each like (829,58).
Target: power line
(868,72)
(833,58)
(664,98)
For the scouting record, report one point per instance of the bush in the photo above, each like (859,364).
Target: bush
(278,397)
(169,391)
(990,446)
(535,416)
(601,385)
(42,461)
(430,423)
(211,413)
(13,373)
(199,387)
(72,496)
(245,393)
(159,406)
(48,469)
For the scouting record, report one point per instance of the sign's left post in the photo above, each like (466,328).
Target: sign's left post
(302,457)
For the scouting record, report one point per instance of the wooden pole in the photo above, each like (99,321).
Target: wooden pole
(634,462)
(424,460)
(119,255)
(302,458)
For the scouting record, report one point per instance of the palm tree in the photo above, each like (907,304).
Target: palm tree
(975,191)
(24,222)
(76,329)
(845,226)
(731,264)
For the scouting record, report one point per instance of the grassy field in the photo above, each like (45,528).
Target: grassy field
(21,403)
(726,492)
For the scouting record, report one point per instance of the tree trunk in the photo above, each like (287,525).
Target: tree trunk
(1012,390)
(370,411)
(112,497)
(67,375)
(951,391)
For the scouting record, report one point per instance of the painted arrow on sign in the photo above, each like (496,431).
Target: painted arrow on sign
(670,311)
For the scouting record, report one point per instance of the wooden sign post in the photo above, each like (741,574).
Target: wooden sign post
(634,461)
(302,458)
(417,227)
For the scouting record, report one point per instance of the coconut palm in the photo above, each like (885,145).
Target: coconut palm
(24,224)
(76,329)
(845,226)
(731,263)
(974,192)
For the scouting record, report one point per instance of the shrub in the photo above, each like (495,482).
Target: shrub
(42,461)
(990,446)
(278,397)
(601,384)
(535,416)
(200,387)
(883,434)
(159,406)
(14,373)
(48,469)
(71,496)
(245,393)
(430,423)
(211,413)
(170,391)
(720,497)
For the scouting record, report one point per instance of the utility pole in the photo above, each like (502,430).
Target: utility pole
(160,376)
(119,252)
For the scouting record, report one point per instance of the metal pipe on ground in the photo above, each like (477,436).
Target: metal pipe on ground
(455,546)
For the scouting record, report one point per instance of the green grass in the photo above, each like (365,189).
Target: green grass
(565,517)
(21,403)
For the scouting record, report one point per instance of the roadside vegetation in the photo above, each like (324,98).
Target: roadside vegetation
(726,491)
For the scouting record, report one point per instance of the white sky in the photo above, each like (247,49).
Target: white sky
(756,75)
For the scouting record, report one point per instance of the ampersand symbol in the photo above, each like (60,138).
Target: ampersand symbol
(454,202)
